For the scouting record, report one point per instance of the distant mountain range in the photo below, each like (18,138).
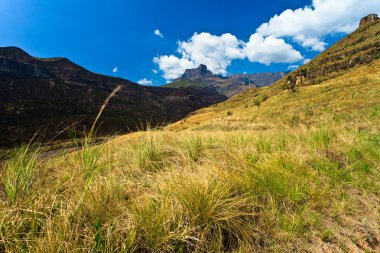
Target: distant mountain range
(201,77)
(48,95)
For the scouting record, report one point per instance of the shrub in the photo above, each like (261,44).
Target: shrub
(257,102)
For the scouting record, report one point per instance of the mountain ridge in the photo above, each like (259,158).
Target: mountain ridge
(48,95)
(201,77)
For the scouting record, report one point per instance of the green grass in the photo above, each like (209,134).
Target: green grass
(299,173)
(19,172)
(186,83)
(236,191)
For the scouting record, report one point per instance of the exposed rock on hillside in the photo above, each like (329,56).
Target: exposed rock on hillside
(199,72)
(368,19)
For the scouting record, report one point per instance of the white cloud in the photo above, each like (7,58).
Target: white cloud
(293,67)
(115,70)
(308,25)
(155,71)
(306,61)
(270,50)
(145,81)
(216,52)
(158,33)
(314,44)
(173,66)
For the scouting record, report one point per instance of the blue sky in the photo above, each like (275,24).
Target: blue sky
(103,35)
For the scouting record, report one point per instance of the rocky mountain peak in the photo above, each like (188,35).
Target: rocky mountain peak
(201,71)
(368,19)
(14,53)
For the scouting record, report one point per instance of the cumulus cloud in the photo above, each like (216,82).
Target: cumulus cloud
(308,25)
(154,71)
(115,70)
(158,33)
(172,66)
(270,50)
(293,67)
(218,52)
(145,81)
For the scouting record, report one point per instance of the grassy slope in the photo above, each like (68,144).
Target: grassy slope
(300,172)
(269,170)
(185,83)
(353,97)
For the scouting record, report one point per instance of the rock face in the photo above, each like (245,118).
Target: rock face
(199,72)
(368,19)
(201,77)
(48,95)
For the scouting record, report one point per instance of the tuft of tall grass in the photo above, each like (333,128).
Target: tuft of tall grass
(264,145)
(149,153)
(193,146)
(322,138)
(89,158)
(105,199)
(19,171)
(160,225)
(222,218)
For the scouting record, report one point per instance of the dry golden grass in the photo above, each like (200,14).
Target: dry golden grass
(267,171)
(205,191)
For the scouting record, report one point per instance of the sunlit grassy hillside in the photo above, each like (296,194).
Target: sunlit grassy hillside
(351,98)
(270,170)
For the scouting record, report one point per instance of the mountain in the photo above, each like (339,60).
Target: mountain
(293,167)
(48,95)
(359,51)
(201,77)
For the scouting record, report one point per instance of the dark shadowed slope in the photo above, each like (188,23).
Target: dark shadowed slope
(47,95)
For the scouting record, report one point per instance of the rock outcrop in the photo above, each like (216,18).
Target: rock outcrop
(199,72)
(368,19)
